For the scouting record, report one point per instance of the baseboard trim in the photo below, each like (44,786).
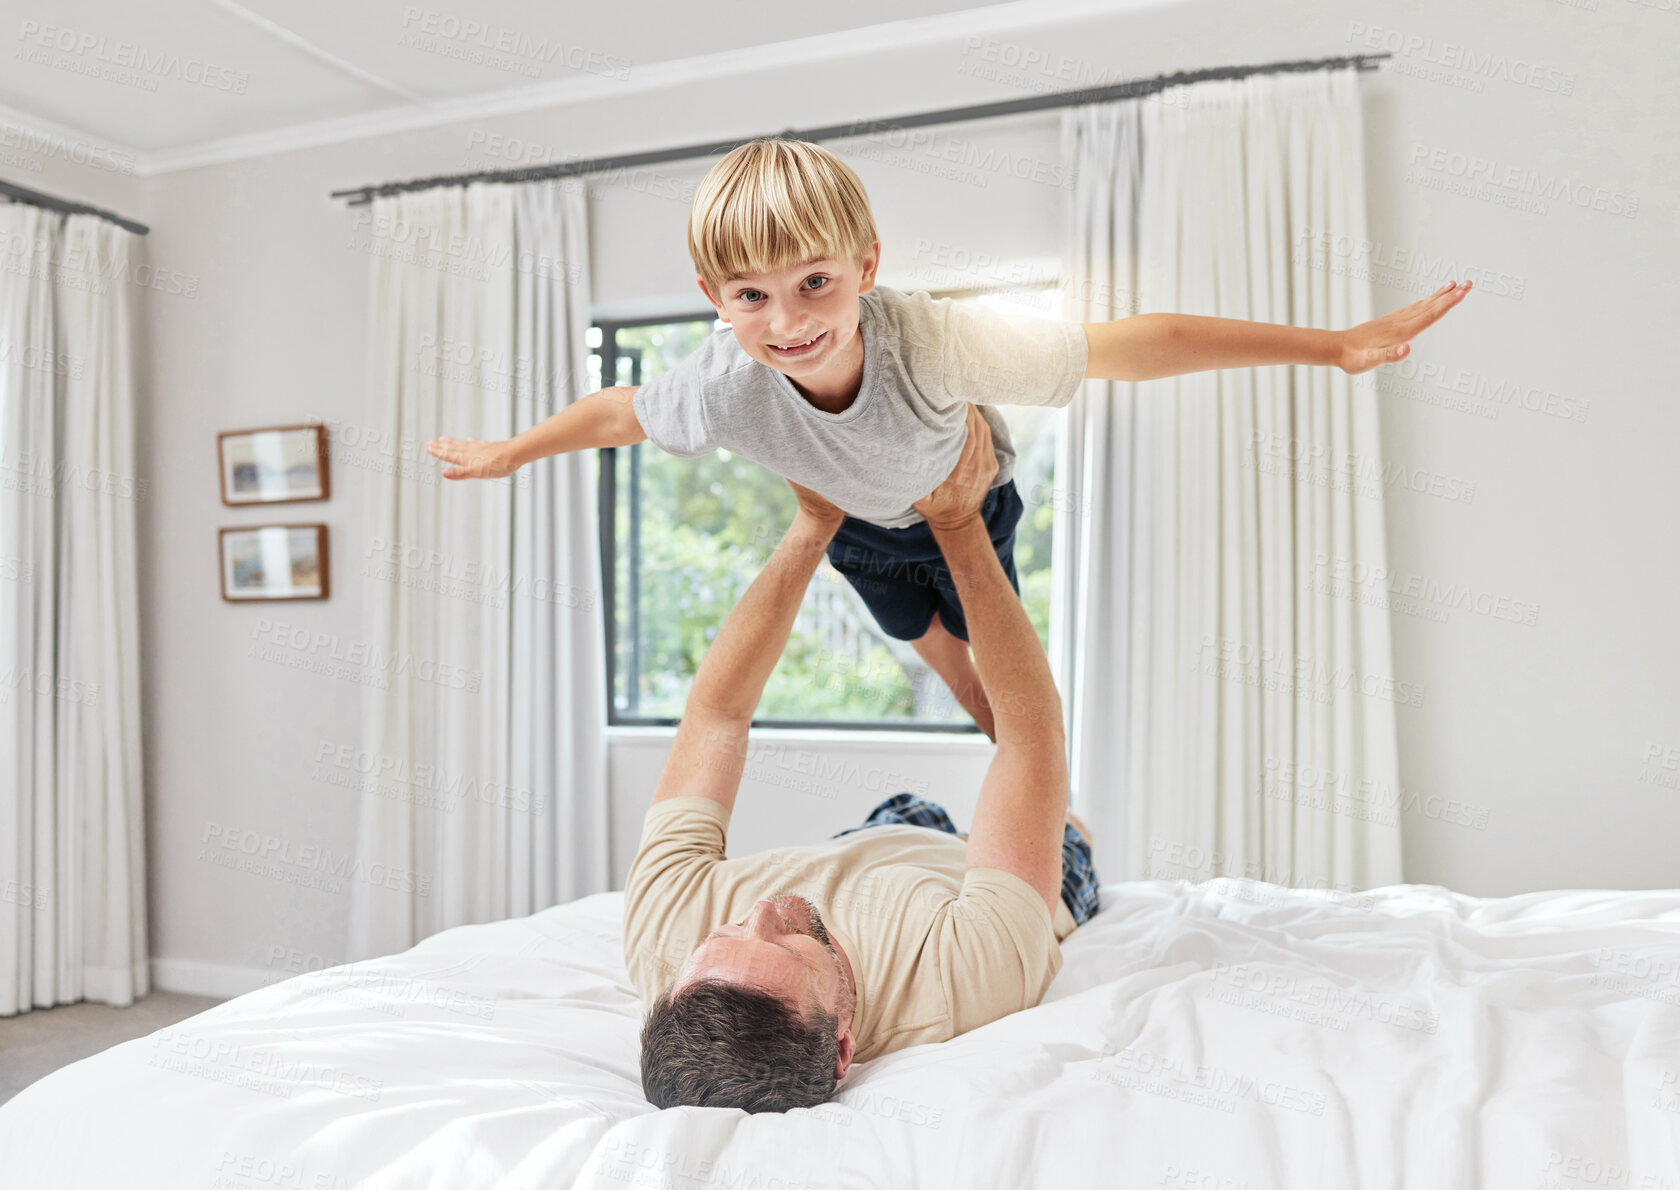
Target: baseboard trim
(210,979)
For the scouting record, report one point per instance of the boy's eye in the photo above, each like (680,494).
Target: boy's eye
(752,295)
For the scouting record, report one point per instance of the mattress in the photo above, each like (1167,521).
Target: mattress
(1228,1035)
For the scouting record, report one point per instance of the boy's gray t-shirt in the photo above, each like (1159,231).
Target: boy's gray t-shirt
(924,359)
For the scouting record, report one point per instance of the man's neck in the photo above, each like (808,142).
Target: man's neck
(844,946)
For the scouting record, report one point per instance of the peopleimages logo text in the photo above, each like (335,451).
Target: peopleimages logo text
(38,39)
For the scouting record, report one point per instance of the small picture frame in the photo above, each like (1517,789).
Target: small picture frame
(273,465)
(266,562)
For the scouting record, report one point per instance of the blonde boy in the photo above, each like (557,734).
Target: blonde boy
(859,392)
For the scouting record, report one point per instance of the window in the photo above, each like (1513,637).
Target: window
(682,538)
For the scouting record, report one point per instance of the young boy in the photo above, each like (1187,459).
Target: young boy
(860,392)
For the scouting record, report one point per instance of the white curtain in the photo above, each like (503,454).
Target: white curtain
(489,615)
(1230,706)
(559,711)
(72,859)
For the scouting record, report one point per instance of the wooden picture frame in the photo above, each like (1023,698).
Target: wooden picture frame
(273,465)
(299,550)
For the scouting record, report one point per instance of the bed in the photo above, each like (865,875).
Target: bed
(1228,1035)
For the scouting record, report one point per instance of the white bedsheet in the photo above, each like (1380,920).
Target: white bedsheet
(1230,1035)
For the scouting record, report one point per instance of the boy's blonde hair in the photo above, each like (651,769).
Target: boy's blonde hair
(773,202)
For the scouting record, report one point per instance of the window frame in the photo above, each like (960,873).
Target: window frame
(607,508)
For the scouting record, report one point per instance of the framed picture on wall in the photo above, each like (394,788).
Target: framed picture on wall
(274,562)
(274,465)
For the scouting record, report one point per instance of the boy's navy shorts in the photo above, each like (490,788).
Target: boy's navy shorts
(1079,873)
(901,575)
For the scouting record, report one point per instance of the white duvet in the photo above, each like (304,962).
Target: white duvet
(1230,1035)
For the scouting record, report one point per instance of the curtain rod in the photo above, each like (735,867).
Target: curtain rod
(36,199)
(360,195)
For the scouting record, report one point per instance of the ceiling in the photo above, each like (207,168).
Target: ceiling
(186,82)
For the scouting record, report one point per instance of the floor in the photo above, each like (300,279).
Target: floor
(34,1044)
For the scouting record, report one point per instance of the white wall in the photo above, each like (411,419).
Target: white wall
(1537,732)
(1523,764)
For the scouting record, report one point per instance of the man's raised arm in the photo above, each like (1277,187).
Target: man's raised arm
(1023,800)
(710,749)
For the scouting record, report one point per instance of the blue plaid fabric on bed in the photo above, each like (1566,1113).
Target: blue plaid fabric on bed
(1079,873)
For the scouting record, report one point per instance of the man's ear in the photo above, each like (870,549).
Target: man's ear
(848,1046)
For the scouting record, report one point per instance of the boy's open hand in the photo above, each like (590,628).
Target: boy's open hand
(958,500)
(473,458)
(1384,340)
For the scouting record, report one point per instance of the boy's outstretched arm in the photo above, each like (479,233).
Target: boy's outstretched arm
(1150,346)
(605,418)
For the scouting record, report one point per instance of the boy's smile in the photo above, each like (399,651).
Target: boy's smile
(797,350)
(802,320)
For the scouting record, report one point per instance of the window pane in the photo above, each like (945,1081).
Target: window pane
(691,534)
(1035,431)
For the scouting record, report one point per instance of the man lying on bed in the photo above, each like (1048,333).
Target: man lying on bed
(761,998)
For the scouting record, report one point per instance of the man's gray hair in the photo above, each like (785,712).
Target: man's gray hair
(717,1044)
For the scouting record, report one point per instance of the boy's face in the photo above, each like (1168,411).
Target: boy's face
(817,299)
